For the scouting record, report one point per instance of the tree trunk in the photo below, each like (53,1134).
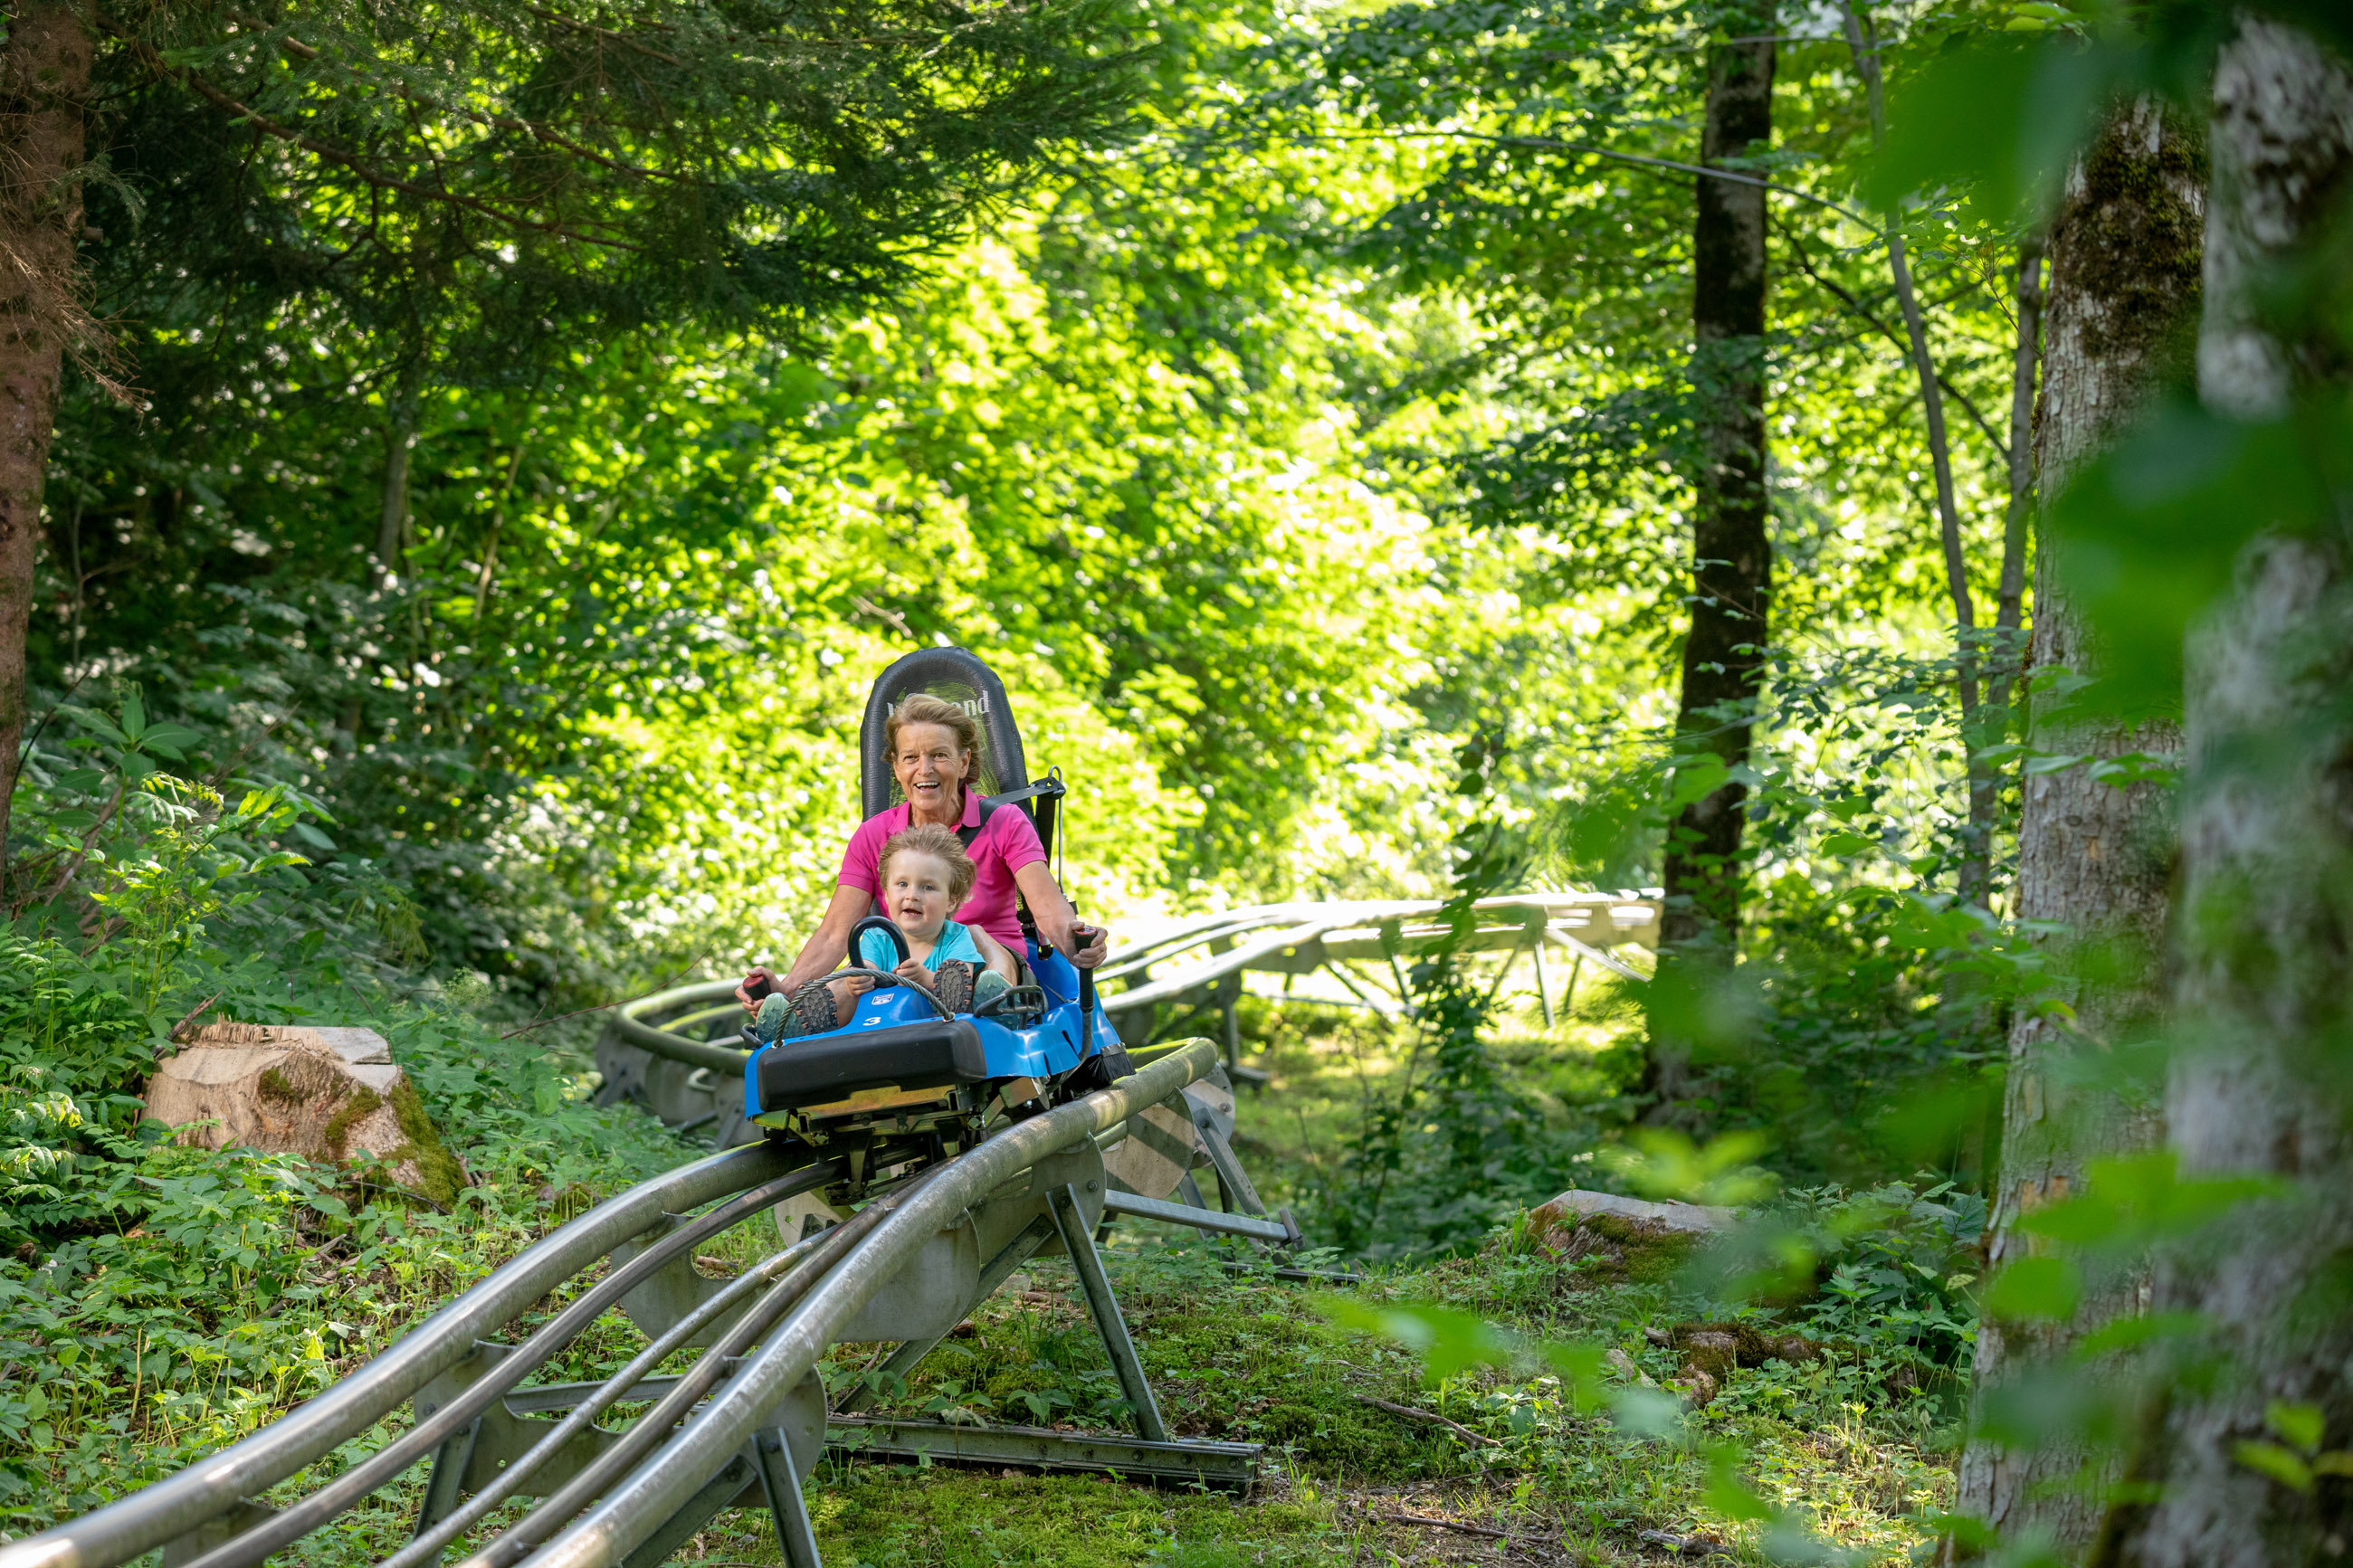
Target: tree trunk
(1731,547)
(2026,360)
(44,80)
(1975,881)
(489,577)
(2093,858)
(2262,1079)
(1731,579)
(392,514)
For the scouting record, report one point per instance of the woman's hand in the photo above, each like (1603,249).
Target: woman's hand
(911,972)
(1090,943)
(756,988)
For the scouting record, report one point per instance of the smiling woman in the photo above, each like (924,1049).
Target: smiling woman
(935,751)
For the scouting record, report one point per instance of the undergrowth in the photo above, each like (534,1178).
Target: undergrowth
(158,1301)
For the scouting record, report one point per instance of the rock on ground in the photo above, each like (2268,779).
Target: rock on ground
(325,1093)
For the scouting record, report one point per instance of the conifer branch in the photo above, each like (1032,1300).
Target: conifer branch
(534,129)
(559,19)
(333,154)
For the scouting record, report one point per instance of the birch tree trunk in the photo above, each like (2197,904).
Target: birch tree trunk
(1732,576)
(2261,1074)
(2094,858)
(44,81)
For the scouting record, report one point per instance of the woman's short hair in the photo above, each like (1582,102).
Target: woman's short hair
(923,708)
(931,839)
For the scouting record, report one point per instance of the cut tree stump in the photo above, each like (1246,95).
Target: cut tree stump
(289,1089)
(1690,1218)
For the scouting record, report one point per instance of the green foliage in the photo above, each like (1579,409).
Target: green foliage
(522,173)
(1455,1144)
(156,1301)
(1892,1268)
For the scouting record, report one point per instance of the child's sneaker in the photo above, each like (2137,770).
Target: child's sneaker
(775,1008)
(952,983)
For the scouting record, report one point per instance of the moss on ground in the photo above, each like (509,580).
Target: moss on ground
(885,1516)
(1254,1358)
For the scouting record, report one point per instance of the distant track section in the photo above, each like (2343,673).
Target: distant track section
(676,1052)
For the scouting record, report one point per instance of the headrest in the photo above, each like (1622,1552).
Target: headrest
(953,676)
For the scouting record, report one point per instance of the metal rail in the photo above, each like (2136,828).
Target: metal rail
(772,1325)
(179,1504)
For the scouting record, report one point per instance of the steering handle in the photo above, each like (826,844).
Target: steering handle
(881,978)
(877,922)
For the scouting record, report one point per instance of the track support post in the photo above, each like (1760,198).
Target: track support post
(1072,1221)
(993,1273)
(780,1480)
(442,1484)
(1233,1182)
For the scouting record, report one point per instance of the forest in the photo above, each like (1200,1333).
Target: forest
(1874,476)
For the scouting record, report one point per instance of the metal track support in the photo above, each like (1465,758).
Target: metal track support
(1233,1182)
(1105,1306)
(443,1485)
(1227,1466)
(1544,986)
(719,1492)
(1203,1219)
(993,1273)
(780,1480)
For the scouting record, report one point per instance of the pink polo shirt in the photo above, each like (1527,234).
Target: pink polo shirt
(1008,843)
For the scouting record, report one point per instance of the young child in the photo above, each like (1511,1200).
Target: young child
(924,874)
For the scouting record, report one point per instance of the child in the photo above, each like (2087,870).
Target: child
(924,874)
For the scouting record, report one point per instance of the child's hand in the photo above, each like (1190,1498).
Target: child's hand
(858,985)
(913,971)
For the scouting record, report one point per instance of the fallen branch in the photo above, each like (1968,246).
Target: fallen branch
(1683,1545)
(544,1023)
(1444,1524)
(1410,1414)
(198,1011)
(394,1192)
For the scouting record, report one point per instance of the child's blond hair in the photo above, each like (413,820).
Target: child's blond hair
(931,839)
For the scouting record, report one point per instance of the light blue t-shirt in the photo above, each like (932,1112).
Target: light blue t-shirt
(956,942)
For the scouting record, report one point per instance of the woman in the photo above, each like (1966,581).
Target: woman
(935,751)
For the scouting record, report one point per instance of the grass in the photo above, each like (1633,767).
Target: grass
(1240,1358)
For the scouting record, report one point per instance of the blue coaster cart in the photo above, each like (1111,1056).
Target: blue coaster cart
(905,1078)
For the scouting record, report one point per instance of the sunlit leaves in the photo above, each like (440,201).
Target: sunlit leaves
(1665,1163)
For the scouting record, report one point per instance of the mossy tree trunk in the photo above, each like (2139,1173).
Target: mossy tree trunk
(2094,858)
(44,81)
(2261,1079)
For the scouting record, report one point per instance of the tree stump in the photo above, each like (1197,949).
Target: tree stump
(324,1093)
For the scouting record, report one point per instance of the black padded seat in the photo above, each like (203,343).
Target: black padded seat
(933,1054)
(953,676)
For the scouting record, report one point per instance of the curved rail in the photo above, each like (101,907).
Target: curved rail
(1286,938)
(782,1315)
